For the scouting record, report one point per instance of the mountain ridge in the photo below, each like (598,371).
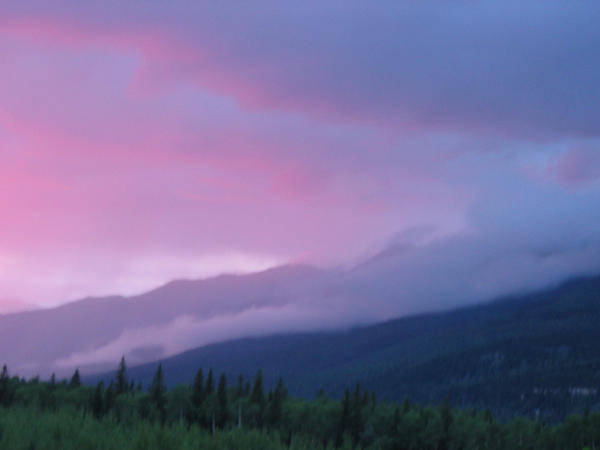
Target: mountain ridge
(502,354)
(45,335)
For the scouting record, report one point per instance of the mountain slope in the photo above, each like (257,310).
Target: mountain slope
(32,342)
(92,333)
(516,355)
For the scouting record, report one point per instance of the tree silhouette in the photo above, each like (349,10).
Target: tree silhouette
(258,393)
(222,408)
(210,383)
(5,395)
(75,380)
(98,400)
(239,392)
(276,404)
(158,391)
(258,398)
(198,389)
(122,385)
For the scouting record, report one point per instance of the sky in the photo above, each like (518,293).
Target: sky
(145,141)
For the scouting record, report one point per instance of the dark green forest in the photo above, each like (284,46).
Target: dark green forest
(213,413)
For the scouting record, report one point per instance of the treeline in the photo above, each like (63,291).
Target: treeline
(532,354)
(212,413)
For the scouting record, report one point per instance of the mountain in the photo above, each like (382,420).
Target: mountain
(518,355)
(93,331)
(403,279)
(9,306)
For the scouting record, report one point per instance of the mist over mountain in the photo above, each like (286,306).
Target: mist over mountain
(533,355)
(145,327)
(405,278)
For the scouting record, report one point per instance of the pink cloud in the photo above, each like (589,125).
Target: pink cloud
(166,131)
(580,165)
(94,173)
(407,67)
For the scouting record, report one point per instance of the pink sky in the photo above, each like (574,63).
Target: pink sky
(147,141)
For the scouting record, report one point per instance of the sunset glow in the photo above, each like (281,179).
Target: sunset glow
(145,141)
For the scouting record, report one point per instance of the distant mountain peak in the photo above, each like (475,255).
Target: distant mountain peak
(11,306)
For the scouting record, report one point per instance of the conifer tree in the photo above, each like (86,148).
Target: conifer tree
(198,389)
(4,387)
(356,422)
(276,404)
(109,397)
(282,389)
(210,384)
(446,414)
(239,391)
(395,422)
(258,397)
(365,400)
(258,393)
(158,391)
(75,380)
(98,400)
(487,415)
(344,423)
(223,411)
(122,385)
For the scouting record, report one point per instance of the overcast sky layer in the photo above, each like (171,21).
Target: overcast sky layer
(143,141)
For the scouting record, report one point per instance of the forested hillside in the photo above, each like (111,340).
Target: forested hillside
(212,414)
(535,355)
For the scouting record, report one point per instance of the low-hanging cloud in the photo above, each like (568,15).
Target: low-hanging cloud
(185,332)
(418,272)
(525,238)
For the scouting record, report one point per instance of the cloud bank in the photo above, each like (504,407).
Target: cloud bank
(154,140)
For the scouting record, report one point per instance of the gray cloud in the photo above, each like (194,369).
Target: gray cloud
(524,68)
